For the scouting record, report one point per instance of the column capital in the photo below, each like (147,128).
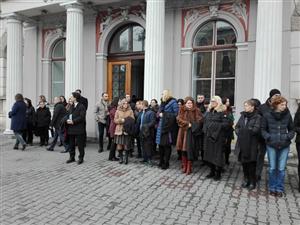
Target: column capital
(73,5)
(101,56)
(12,18)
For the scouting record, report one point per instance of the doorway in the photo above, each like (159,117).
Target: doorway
(126,77)
(126,62)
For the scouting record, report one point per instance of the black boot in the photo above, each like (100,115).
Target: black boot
(218,174)
(179,155)
(16,147)
(126,156)
(121,156)
(161,157)
(211,174)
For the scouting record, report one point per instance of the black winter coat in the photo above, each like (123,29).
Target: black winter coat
(58,115)
(147,130)
(78,116)
(30,116)
(214,128)
(247,130)
(84,102)
(43,117)
(18,116)
(278,129)
(297,125)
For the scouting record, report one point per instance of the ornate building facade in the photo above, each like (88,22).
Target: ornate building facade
(235,48)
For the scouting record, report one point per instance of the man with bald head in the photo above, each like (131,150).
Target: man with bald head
(58,115)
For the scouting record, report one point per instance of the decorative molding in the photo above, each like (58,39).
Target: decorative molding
(49,37)
(238,9)
(108,17)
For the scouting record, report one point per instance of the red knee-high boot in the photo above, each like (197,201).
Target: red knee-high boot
(189,167)
(184,163)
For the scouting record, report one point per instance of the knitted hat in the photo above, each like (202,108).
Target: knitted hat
(274,92)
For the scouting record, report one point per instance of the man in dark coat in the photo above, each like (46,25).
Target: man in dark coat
(146,123)
(43,119)
(200,103)
(58,115)
(18,120)
(85,103)
(76,128)
(263,110)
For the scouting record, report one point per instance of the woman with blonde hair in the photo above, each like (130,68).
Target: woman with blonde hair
(215,126)
(189,120)
(124,117)
(167,127)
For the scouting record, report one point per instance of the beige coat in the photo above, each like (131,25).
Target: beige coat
(120,115)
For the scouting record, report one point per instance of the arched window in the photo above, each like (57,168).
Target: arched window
(214,56)
(58,69)
(128,39)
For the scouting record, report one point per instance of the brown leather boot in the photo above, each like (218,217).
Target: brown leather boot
(184,164)
(189,168)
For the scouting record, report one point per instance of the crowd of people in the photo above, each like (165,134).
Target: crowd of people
(198,129)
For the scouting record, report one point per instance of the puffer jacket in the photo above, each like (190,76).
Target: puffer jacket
(278,129)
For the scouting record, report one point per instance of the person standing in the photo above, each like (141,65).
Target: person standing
(137,113)
(101,114)
(122,138)
(30,118)
(146,123)
(247,130)
(18,120)
(43,119)
(56,122)
(76,128)
(112,108)
(200,103)
(189,120)
(214,128)
(85,103)
(166,134)
(263,109)
(297,130)
(278,131)
(229,133)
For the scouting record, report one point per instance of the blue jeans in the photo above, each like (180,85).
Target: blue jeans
(58,133)
(19,138)
(277,162)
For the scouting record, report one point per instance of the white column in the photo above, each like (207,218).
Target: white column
(185,84)
(74,47)
(14,78)
(268,55)
(154,49)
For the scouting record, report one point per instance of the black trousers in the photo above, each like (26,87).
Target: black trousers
(260,159)
(227,148)
(28,133)
(298,151)
(80,141)
(101,127)
(147,148)
(249,170)
(44,136)
(165,154)
(112,150)
(214,168)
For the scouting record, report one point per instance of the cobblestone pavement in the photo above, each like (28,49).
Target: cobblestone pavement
(38,187)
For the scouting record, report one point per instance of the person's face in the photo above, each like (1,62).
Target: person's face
(200,98)
(57,100)
(227,102)
(61,99)
(153,103)
(282,106)
(248,107)
(213,103)
(125,105)
(105,97)
(73,99)
(42,104)
(127,98)
(70,101)
(179,104)
(189,104)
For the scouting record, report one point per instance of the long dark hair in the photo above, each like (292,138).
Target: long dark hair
(114,102)
(28,102)
(298,110)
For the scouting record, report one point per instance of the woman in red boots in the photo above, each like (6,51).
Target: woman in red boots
(190,125)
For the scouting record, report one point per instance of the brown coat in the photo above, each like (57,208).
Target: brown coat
(186,116)
(121,114)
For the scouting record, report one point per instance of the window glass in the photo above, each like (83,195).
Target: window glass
(225,64)
(204,36)
(225,33)
(202,64)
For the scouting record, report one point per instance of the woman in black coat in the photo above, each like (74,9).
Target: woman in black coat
(215,126)
(43,119)
(247,130)
(30,118)
(18,120)
(297,130)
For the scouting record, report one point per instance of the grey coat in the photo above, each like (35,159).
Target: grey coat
(101,111)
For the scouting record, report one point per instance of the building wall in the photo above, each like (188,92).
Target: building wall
(3,110)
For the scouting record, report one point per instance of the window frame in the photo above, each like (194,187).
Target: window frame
(57,59)
(213,49)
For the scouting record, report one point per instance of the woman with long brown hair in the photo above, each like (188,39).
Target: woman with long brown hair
(189,120)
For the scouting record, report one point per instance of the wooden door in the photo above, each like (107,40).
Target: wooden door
(119,79)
